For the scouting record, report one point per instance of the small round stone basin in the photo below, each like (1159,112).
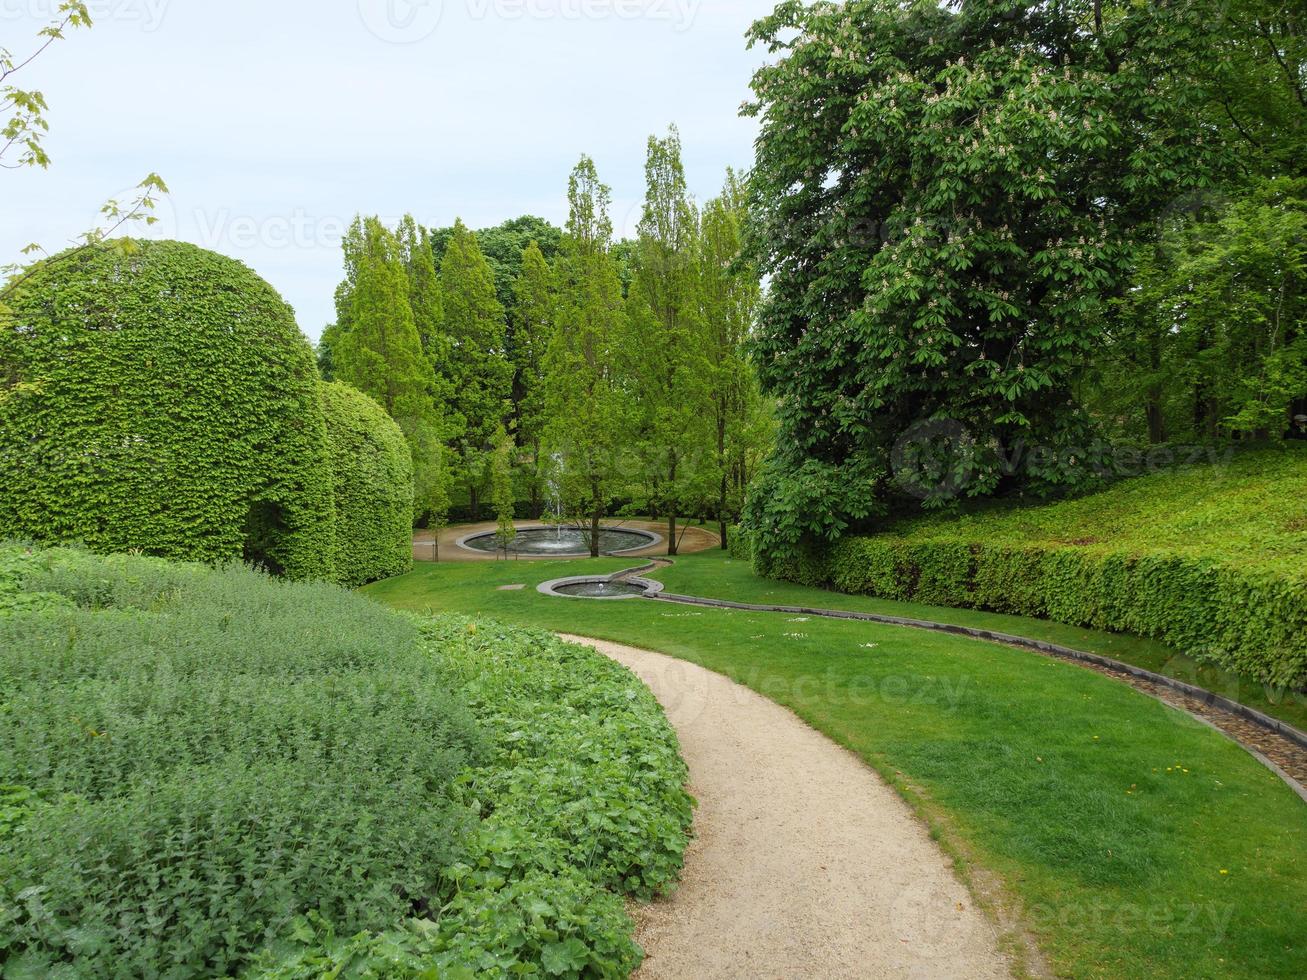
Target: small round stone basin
(600,587)
(600,590)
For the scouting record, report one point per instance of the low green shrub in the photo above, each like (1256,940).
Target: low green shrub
(581,800)
(213,753)
(372,476)
(739,544)
(1211,560)
(210,771)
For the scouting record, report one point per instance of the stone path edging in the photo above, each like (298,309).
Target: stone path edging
(1219,701)
(1213,700)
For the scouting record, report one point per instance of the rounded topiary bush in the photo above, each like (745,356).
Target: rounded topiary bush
(162,399)
(372,473)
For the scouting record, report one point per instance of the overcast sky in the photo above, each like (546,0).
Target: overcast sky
(274,121)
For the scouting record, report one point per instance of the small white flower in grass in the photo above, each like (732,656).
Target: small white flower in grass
(798,619)
(869,646)
(796,636)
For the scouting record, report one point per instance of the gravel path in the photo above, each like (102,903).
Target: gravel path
(804,863)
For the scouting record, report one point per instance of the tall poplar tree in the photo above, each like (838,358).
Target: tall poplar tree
(585,398)
(479,371)
(424,292)
(533,325)
(377,350)
(668,367)
(729,294)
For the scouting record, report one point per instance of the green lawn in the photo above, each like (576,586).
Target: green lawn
(1131,840)
(714,575)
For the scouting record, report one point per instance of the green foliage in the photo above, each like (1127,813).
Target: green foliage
(377,348)
(214,754)
(739,545)
(480,374)
(1210,559)
(372,476)
(501,489)
(532,327)
(1211,341)
(379,351)
(945,197)
(26,127)
(587,405)
(425,298)
(162,400)
(665,355)
(729,294)
(788,506)
(290,780)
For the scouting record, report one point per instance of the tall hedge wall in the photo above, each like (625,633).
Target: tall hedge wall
(164,401)
(372,473)
(1246,620)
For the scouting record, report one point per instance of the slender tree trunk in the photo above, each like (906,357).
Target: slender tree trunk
(474,499)
(594,534)
(672,545)
(1153,397)
(721,464)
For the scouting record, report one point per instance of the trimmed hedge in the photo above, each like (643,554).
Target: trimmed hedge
(372,477)
(1244,621)
(1209,559)
(162,400)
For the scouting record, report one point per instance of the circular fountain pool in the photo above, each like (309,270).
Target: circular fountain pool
(600,590)
(624,585)
(562,542)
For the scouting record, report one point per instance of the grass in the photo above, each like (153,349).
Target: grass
(1130,840)
(716,576)
(1245,510)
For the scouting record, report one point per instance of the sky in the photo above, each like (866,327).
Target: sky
(273,122)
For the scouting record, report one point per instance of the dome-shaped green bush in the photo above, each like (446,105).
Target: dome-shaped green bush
(162,400)
(372,472)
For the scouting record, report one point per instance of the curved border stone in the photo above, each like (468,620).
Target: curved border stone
(1211,699)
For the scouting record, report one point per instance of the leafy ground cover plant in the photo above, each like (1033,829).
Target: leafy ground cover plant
(211,771)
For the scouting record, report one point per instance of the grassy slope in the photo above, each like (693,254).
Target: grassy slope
(1070,785)
(716,576)
(1248,510)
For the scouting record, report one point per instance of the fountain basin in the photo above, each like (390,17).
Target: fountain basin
(616,586)
(561,541)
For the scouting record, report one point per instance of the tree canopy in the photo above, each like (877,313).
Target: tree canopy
(948,201)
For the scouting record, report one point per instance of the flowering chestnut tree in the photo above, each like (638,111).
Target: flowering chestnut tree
(945,199)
